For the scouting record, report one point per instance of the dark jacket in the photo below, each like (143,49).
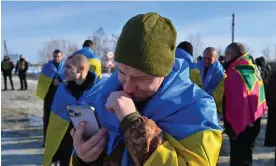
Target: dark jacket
(270,138)
(21,66)
(66,146)
(7,66)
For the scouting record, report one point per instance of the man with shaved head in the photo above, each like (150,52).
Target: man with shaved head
(75,91)
(212,75)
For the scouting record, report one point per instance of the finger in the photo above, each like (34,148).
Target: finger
(78,135)
(108,104)
(98,148)
(72,132)
(93,141)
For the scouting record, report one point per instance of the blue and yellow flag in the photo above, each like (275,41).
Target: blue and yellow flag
(213,83)
(95,62)
(185,113)
(59,118)
(48,73)
(194,71)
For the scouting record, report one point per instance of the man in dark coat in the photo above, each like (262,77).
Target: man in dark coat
(6,68)
(22,66)
(270,138)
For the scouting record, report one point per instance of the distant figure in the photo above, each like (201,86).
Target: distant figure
(6,68)
(185,51)
(51,76)
(244,104)
(94,60)
(221,60)
(22,66)
(199,58)
(212,75)
(270,137)
(264,69)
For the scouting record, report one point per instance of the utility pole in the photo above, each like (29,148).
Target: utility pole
(5,49)
(233,27)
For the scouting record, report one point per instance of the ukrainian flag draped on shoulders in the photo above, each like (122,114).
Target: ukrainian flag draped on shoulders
(244,94)
(48,73)
(213,83)
(194,71)
(185,113)
(95,62)
(59,119)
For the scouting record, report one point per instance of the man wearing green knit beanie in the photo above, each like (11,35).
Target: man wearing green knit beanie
(149,111)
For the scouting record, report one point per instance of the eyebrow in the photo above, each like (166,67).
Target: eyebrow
(121,71)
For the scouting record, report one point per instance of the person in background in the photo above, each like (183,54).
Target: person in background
(244,104)
(21,67)
(94,60)
(264,68)
(6,67)
(149,110)
(199,58)
(270,137)
(185,51)
(212,75)
(75,91)
(49,79)
(221,60)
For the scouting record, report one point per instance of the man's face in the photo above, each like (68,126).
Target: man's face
(72,72)
(229,54)
(57,57)
(209,58)
(139,85)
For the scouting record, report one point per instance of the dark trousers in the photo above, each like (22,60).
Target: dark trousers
(47,107)
(46,116)
(242,146)
(23,81)
(5,79)
(65,149)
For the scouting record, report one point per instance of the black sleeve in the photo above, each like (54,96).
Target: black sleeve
(78,162)
(16,67)
(27,66)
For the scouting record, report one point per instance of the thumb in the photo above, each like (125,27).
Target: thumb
(78,136)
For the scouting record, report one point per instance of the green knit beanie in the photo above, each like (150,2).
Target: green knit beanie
(147,43)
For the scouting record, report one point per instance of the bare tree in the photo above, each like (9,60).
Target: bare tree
(248,49)
(219,51)
(266,53)
(197,43)
(101,42)
(67,48)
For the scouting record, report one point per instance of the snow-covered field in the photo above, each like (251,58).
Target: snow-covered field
(22,134)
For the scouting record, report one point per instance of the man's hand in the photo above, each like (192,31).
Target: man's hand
(121,104)
(91,149)
(56,82)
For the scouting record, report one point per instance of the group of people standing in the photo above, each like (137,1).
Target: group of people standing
(21,68)
(159,107)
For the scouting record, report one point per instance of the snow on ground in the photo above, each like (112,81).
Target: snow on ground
(22,132)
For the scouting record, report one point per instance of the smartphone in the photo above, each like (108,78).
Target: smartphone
(80,113)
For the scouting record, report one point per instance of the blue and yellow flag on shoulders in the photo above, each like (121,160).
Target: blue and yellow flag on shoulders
(186,114)
(194,71)
(48,73)
(59,119)
(213,83)
(95,62)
